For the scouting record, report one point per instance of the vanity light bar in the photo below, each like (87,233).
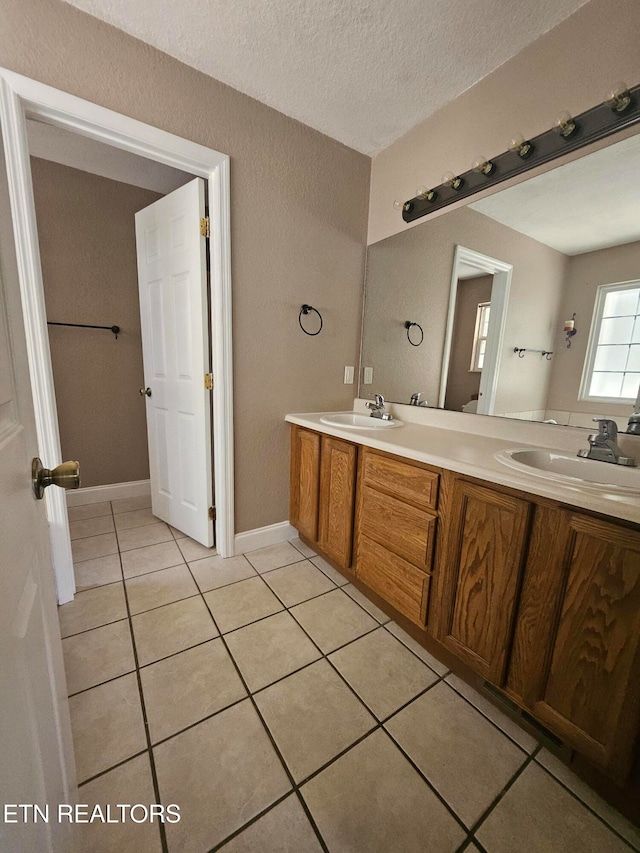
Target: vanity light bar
(594,124)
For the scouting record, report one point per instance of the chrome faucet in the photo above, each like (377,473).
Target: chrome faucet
(377,408)
(603,445)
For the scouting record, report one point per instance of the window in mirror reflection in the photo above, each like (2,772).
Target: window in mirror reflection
(612,368)
(480,337)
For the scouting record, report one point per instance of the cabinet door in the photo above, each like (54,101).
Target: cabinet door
(481,570)
(337,498)
(576,658)
(305,482)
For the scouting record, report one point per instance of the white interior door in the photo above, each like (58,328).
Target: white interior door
(36,754)
(172,276)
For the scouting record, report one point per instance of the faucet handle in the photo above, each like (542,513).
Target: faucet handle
(607,428)
(379,400)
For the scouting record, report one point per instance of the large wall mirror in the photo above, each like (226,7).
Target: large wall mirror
(528,300)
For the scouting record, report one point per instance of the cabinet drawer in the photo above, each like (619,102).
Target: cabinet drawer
(401,479)
(400,583)
(400,527)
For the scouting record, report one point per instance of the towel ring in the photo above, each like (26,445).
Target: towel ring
(408,326)
(307,309)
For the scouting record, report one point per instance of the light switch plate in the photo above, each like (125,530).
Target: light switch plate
(368,376)
(348,375)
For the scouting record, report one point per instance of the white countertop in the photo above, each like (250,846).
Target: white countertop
(474,455)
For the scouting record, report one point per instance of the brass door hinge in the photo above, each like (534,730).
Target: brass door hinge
(208,381)
(205,227)
(212,513)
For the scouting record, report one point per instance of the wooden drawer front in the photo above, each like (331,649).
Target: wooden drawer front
(401,584)
(401,479)
(400,527)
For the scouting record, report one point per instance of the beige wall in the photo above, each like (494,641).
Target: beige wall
(569,68)
(298,219)
(88,250)
(585,273)
(409,278)
(463,383)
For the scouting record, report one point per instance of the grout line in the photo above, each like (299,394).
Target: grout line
(154,775)
(101,683)
(252,821)
(95,627)
(586,805)
(270,736)
(113,767)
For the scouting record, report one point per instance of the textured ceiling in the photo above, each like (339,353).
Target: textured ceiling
(362,71)
(588,204)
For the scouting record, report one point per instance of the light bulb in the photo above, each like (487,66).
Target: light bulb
(483,166)
(521,146)
(426,194)
(453,181)
(397,204)
(565,125)
(619,99)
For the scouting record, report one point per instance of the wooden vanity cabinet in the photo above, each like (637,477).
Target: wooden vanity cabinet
(575,661)
(322,494)
(480,573)
(395,530)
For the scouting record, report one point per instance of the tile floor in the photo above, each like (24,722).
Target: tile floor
(282,711)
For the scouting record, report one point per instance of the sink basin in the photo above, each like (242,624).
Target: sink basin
(352,420)
(573,470)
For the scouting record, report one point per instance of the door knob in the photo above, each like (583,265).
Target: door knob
(145,392)
(67,476)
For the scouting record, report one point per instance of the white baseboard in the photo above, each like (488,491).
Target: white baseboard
(114,492)
(251,540)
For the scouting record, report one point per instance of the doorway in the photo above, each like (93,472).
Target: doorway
(23,98)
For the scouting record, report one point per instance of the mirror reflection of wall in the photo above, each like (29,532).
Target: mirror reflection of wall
(566,233)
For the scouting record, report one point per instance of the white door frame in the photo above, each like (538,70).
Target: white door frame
(21,97)
(501,273)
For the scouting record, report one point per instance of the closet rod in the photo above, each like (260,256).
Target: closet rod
(114,329)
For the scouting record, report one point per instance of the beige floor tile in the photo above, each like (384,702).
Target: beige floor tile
(369,606)
(607,812)
(508,726)
(107,725)
(158,588)
(177,534)
(382,672)
(312,716)
(222,772)
(304,549)
(274,557)
(94,546)
(139,537)
(298,582)
(188,687)
(284,829)
(129,504)
(372,799)
(135,518)
(92,608)
(172,628)
(130,783)
(214,572)
(97,572)
(241,603)
(270,649)
(537,814)
(192,550)
(417,649)
(460,752)
(98,655)
(77,513)
(329,571)
(151,558)
(333,620)
(86,527)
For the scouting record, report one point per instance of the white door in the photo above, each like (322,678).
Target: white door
(36,757)
(172,277)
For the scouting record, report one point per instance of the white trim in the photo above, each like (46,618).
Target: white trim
(260,537)
(501,273)
(21,97)
(111,492)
